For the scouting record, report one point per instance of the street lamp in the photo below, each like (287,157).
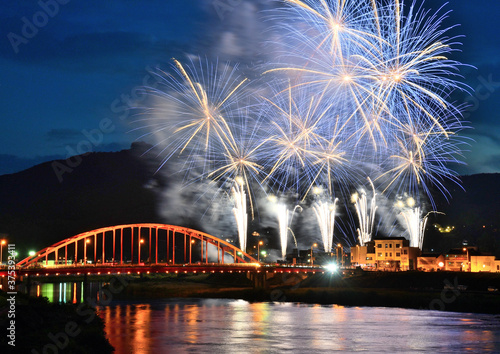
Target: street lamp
(468,264)
(258,250)
(141,241)
(341,254)
(3,242)
(312,259)
(87,241)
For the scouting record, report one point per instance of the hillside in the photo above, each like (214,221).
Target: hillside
(111,188)
(37,209)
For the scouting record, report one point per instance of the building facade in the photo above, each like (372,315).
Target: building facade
(386,253)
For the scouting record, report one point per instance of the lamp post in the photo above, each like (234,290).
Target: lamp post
(141,241)
(312,258)
(1,251)
(341,254)
(468,264)
(258,250)
(87,241)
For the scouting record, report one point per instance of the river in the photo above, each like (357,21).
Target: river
(237,326)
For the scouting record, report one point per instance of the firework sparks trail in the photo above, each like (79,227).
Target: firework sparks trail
(383,68)
(282,214)
(414,221)
(366,215)
(240,213)
(193,111)
(284,222)
(359,88)
(325,215)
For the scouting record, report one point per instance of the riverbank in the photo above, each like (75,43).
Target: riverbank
(446,291)
(52,327)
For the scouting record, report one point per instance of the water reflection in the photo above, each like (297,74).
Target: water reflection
(236,326)
(67,292)
(229,326)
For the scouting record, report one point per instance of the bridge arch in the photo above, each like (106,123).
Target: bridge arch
(122,244)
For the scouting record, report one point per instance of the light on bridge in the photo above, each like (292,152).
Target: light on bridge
(331,267)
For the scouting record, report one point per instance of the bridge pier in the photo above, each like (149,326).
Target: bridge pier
(85,286)
(259,279)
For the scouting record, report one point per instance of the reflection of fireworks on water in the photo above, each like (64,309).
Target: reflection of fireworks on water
(366,214)
(366,93)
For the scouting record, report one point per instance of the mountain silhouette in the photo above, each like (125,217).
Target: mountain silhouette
(58,199)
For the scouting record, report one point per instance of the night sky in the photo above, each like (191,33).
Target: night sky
(79,67)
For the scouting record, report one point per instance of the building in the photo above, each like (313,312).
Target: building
(483,263)
(364,256)
(386,253)
(458,259)
(430,262)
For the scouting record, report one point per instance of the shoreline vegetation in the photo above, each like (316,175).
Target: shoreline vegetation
(43,327)
(443,291)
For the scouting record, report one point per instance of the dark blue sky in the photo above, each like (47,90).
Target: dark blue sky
(77,68)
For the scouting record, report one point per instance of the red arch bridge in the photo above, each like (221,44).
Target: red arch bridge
(144,248)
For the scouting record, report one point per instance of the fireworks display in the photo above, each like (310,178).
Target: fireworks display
(366,215)
(359,89)
(240,213)
(325,214)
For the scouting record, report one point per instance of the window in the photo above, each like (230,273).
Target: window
(390,245)
(398,254)
(379,254)
(379,245)
(386,245)
(405,251)
(390,254)
(368,258)
(398,245)
(386,254)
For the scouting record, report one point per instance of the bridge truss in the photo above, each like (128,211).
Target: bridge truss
(138,244)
